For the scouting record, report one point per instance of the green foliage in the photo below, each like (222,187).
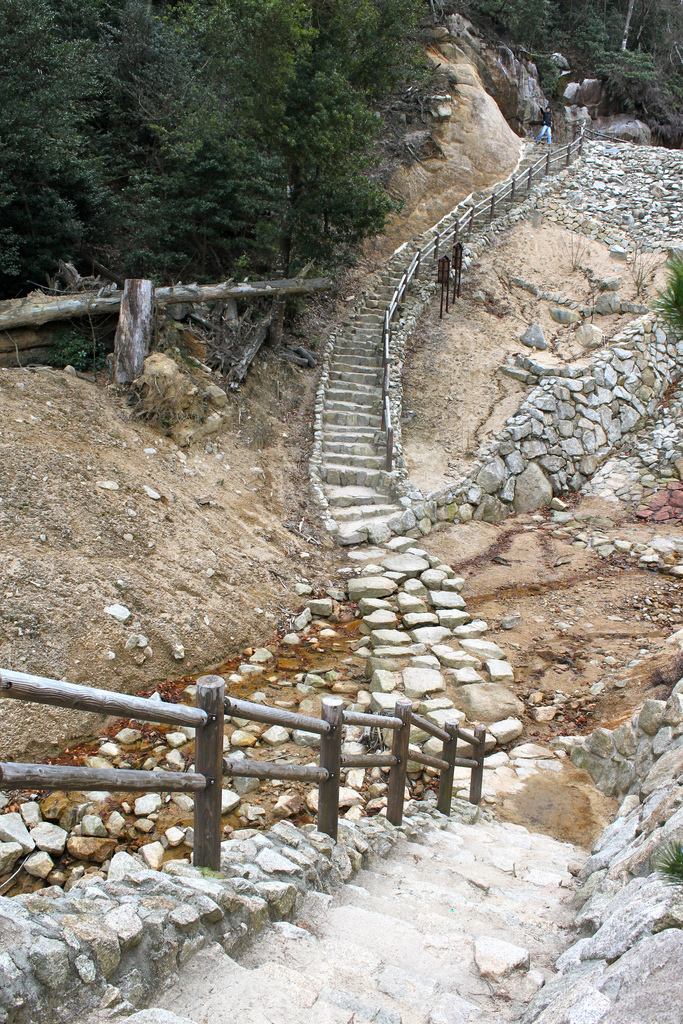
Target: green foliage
(670,862)
(669,305)
(74,347)
(644,78)
(194,140)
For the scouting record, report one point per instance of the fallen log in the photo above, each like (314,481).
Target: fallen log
(37,308)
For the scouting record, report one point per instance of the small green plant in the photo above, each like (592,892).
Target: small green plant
(73,347)
(669,305)
(670,862)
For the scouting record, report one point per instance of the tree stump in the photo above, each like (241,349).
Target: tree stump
(134,332)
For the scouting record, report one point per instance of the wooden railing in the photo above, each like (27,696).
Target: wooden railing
(208,719)
(514,189)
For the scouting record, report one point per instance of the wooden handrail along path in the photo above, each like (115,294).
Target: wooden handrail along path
(208,719)
(513,189)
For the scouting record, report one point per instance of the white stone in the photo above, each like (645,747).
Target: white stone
(153,854)
(118,612)
(147,804)
(275,736)
(419,681)
(229,801)
(50,838)
(482,649)
(500,671)
(9,854)
(39,864)
(496,959)
(175,835)
(13,830)
(507,730)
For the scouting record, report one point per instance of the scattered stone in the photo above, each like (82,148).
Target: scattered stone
(147,804)
(496,959)
(13,830)
(153,854)
(486,702)
(50,838)
(534,337)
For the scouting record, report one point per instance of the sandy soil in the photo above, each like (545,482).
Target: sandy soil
(454,360)
(584,620)
(209,565)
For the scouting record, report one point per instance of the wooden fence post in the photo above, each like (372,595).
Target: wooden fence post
(512,191)
(547,162)
(209,762)
(446,778)
(330,758)
(134,332)
(493,206)
(477,776)
(397,774)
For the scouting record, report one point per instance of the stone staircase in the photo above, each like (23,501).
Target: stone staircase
(359,491)
(461,924)
(353,442)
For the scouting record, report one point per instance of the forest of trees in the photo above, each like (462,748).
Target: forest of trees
(192,140)
(634,46)
(200,139)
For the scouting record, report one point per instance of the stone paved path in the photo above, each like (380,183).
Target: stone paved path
(460,925)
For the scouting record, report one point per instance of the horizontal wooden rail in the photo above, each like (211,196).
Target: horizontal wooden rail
(57,776)
(368,760)
(273,770)
(465,762)
(38,690)
(372,721)
(430,727)
(469,737)
(274,716)
(427,759)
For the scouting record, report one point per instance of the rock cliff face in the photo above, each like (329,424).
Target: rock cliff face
(625,962)
(466,144)
(512,82)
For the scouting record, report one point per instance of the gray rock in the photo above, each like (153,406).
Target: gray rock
(496,959)
(668,767)
(533,337)
(607,303)
(322,607)
(417,682)
(565,316)
(645,983)
(631,914)
(39,864)
(491,510)
(9,855)
(492,476)
(409,565)
(13,830)
(50,838)
(487,702)
(371,586)
(533,489)
(650,718)
(50,961)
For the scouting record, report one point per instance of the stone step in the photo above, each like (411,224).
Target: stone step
(360,399)
(355,447)
(349,407)
(369,389)
(362,514)
(356,376)
(345,474)
(361,419)
(347,459)
(345,497)
(369,361)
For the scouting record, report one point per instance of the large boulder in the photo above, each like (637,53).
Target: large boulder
(492,476)
(625,127)
(487,702)
(532,490)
